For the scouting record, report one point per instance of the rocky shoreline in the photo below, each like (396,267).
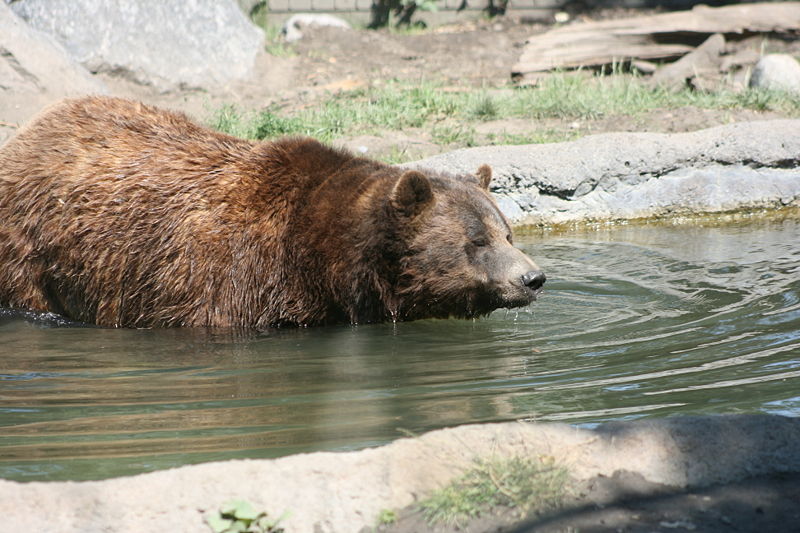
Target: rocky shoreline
(625,176)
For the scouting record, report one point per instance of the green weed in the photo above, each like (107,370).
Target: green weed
(450,116)
(267,125)
(483,107)
(228,119)
(454,134)
(535,137)
(239,516)
(396,156)
(528,485)
(387,517)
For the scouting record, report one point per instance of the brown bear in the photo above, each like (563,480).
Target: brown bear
(120,214)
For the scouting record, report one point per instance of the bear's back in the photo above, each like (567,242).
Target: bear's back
(117,213)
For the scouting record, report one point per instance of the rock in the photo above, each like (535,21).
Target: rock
(4,135)
(337,492)
(164,43)
(35,70)
(744,57)
(645,67)
(737,64)
(649,37)
(701,67)
(293,28)
(621,176)
(777,72)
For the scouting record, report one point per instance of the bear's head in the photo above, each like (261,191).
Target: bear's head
(457,255)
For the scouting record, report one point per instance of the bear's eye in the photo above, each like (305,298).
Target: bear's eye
(480,242)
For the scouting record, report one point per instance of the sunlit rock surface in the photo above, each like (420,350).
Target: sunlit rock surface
(621,176)
(165,43)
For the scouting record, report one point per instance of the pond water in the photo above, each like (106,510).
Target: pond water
(635,321)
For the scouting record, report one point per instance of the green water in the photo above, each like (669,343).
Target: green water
(635,322)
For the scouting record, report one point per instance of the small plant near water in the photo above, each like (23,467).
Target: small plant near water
(239,516)
(527,484)
(387,517)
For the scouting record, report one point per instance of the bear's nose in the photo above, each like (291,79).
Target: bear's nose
(534,279)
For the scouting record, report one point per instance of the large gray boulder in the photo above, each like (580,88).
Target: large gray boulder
(35,70)
(164,43)
(779,72)
(620,176)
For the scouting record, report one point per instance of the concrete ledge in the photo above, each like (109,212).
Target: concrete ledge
(623,176)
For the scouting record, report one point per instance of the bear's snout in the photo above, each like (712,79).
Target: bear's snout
(534,279)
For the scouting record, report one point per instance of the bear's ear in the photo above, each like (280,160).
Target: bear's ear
(484,175)
(412,194)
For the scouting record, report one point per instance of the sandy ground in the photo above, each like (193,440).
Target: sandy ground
(714,473)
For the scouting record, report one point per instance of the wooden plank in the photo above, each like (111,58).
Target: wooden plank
(664,36)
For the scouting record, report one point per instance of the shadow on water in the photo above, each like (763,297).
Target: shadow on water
(636,321)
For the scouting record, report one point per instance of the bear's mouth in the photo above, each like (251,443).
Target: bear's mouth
(471,302)
(521,299)
(535,293)
(501,298)
(518,296)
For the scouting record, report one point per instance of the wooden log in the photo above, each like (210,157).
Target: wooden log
(659,37)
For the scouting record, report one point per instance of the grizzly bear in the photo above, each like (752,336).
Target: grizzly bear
(119,214)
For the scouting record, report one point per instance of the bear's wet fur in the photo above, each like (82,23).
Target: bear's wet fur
(120,214)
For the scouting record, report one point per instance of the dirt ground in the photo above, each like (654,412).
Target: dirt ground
(628,503)
(471,54)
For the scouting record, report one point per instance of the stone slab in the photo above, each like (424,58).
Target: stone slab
(624,176)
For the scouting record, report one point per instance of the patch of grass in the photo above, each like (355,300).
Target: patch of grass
(576,96)
(573,96)
(451,115)
(483,107)
(766,100)
(267,125)
(536,137)
(528,485)
(263,125)
(228,119)
(454,134)
(396,156)
(387,517)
